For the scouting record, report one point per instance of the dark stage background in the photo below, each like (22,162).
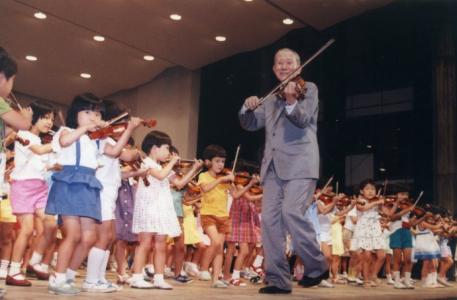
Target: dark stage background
(387,53)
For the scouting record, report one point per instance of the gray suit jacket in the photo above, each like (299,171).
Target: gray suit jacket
(291,142)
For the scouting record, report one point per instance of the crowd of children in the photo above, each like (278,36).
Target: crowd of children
(82,198)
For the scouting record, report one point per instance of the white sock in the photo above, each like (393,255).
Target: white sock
(236,274)
(389,276)
(193,265)
(60,278)
(35,259)
(71,274)
(94,260)
(102,271)
(15,268)
(44,267)
(4,264)
(408,277)
(434,277)
(397,276)
(183,273)
(158,278)
(428,279)
(257,261)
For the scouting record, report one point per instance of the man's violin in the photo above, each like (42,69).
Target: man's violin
(300,88)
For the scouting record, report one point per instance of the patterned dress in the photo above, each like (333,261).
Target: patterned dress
(154,211)
(367,232)
(245,220)
(124,212)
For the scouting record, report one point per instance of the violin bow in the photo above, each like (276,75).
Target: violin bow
(418,198)
(337,185)
(115,119)
(236,158)
(61,118)
(14,99)
(384,188)
(197,172)
(294,73)
(325,187)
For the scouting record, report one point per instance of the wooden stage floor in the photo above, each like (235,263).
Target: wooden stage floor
(198,290)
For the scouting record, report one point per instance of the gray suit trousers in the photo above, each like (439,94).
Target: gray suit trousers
(284,206)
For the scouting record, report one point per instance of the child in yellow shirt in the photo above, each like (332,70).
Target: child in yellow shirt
(215,185)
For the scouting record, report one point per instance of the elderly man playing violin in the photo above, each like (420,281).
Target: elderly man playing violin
(289,172)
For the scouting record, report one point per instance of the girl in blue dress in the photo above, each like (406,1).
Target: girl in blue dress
(75,193)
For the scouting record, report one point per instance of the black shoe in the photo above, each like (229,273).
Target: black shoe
(312,281)
(271,289)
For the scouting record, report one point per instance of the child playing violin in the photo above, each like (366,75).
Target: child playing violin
(111,148)
(244,221)
(326,207)
(214,215)
(428,250)
(368,233)
(29,190)
(124,216)
(401,238)
(178,188)
(343,205)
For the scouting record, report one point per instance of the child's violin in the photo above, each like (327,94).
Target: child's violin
(46,138)
(326,198)
(224,172)
(389,200)
(242,178)
(193,189)
(256,190)
(23,142)
(343,201)
(116,129)
(135,165)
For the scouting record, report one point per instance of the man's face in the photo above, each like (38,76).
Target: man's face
(285,63)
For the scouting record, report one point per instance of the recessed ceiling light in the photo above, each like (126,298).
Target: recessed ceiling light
(99,38)
(248,0)
(382,169)
(220,38)
(40,15)
(85,75)
(31,58)
(148,57)
(369,146)
(288,21)
(175,17)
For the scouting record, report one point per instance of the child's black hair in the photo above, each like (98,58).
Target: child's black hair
(85,101)
(40,110)
(155,138)
(111,110)
(212,151)
(366,182)
(173,149)
(8,65)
